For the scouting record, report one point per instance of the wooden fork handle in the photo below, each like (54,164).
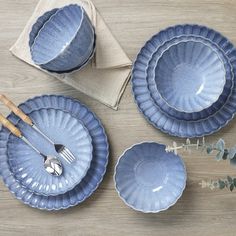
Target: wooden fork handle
(17,111)
(6,123)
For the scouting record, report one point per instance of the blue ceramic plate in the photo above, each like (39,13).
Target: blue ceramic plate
(65,41)
(27,166)
(149,179)
(97,168)
(161,120)
(195,115)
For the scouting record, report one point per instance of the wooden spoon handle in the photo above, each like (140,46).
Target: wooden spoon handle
(17,111)
(6,123)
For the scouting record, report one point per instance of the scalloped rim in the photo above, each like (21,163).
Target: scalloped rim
(123,199)
(102,174)
(33,28)
(46,23)
(58,189)
(81,66)
(177,134)
(220,91)
(231,72)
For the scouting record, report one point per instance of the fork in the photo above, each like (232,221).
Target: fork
(62,150)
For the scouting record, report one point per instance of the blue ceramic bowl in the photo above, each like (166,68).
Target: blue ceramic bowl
(149,179)
(164,105)
(65,41)
(190,76)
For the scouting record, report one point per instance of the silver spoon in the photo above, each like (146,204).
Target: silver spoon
(51,164)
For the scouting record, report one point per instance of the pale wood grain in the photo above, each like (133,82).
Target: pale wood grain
(199,212)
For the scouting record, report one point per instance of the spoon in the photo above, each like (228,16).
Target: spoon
(51,164)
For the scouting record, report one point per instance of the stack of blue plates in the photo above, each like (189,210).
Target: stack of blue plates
(66,121)
(183,81)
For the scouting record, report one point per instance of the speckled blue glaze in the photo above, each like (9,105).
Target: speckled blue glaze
(147,105)
(149,179)
(39,24)
(27,166)
(189,76)
(97,168)
(194,115)
(65,41)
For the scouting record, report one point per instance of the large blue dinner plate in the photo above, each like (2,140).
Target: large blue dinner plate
(154,114)
(97,168)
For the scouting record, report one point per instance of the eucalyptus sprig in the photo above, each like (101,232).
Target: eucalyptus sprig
(221,153)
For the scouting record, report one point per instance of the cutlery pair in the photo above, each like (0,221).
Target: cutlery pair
(51,164)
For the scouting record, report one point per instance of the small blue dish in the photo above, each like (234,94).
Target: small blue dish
(195,115)
(97,168)
(65,41)
(27,166)
(148,179)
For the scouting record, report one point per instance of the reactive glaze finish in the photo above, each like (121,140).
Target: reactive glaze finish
(160,102)
(65,41)
(97,168)
(27,166)
(148,179)
(146,103)
(190,76)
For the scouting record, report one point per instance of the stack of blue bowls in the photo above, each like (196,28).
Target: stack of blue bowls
(62,40)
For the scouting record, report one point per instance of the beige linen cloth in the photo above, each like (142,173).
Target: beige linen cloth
(106,76)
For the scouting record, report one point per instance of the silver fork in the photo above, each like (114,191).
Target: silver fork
(60,149)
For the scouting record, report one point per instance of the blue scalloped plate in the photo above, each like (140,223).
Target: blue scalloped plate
(194,115)
(97,168)
(146,104)
(27,166)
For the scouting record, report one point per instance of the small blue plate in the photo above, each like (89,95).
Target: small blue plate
(97,168)
(27,166)
(149,179)
(154,114)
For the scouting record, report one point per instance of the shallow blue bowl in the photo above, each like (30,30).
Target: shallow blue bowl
(190,76)
(149,179)
(65,41)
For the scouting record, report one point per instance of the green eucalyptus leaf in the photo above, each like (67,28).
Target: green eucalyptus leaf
(221,184)
(232,153)
(225,156)
(209,149)
(234,180)
(220,145)
(230,180)
(233,161)
(219,155)
(231,187)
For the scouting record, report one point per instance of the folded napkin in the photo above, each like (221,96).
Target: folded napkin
(106,76)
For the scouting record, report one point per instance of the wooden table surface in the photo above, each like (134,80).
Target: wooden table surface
(199,211)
